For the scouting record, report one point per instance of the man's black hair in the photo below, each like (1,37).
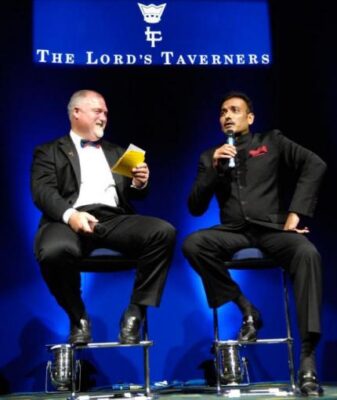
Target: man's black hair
(240,95)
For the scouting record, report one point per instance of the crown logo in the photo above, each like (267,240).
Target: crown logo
(152,13)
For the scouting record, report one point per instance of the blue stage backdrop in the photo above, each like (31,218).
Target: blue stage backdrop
(127,32)
(172,113)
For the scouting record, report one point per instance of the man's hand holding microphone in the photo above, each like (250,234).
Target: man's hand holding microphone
(226,152)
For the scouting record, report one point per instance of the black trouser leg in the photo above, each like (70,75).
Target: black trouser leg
(206,250)
(152,241)
(57,249)
(301,259)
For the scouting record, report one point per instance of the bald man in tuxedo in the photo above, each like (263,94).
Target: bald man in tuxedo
(85,206)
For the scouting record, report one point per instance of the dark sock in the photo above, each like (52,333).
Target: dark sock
(138,310)
(245,306)
(307,358)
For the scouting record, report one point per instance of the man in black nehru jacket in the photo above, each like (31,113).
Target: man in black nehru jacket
(245,179)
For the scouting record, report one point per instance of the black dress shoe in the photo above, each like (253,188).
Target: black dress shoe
(130,326)
(250,325)
(308,383)
(80,333)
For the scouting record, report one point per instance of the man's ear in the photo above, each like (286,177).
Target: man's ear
(75,112)
(251,118)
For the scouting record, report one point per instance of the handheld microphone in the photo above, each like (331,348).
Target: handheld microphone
(231,141)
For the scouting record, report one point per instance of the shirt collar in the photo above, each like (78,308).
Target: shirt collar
(75,138)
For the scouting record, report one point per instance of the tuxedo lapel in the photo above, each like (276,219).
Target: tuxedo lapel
(67,146)
(112,156)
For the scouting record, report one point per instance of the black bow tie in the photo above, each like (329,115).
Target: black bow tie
(96,143)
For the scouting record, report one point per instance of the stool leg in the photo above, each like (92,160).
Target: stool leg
(73,372)
(216,349)
(289,334)
(146,358)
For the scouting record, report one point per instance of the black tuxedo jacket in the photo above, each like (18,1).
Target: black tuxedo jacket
(56,177)
(251,191)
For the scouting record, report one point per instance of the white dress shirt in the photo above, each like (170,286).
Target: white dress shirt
(97,183)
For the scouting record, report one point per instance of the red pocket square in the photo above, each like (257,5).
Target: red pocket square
(259,151)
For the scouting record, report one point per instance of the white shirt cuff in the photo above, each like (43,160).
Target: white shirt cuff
(67,214)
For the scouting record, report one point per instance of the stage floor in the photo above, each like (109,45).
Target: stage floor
(204,393)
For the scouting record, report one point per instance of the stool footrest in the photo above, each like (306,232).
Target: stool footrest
(220,343)
(128,395)
(253,390)
(101,345)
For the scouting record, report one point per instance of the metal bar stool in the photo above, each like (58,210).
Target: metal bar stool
(251,258)
(100,260)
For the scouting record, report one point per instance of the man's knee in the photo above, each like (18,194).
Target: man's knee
(306,261)
(165,231)
(56,253)
(308,252)
(192,244)
(56,244)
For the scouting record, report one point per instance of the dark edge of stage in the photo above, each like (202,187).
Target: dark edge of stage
(186,393)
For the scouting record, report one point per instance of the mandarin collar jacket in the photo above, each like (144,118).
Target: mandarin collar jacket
(251,192)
